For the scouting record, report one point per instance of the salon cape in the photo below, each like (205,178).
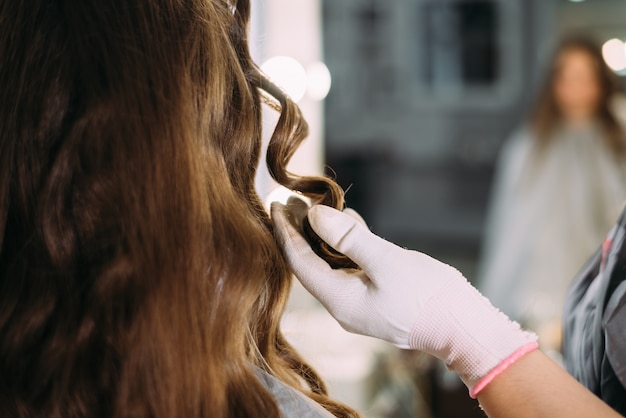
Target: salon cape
(549,211)
(292,404)
(594,339)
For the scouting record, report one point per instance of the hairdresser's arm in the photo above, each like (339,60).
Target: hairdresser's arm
(535,386)
(416,302)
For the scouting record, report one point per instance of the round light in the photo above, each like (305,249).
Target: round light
(614,53)
(281,194)
(288,74)
(318,81)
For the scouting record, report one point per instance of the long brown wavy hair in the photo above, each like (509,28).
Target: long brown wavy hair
(545,116)
(139,276)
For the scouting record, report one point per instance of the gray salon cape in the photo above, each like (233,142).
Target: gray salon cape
(292,403)
(549,212)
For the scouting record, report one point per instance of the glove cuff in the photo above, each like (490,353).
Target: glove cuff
(521,352)
(462,328)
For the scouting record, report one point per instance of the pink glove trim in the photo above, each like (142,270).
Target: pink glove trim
(482,383)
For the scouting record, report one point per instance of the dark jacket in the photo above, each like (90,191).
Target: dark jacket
(594,331)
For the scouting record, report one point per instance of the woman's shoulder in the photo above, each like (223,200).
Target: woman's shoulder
(514,153)
(520,141)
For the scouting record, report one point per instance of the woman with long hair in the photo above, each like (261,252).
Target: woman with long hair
(139,276)
(559,186)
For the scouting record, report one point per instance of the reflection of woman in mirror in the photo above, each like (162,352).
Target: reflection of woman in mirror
(560,184)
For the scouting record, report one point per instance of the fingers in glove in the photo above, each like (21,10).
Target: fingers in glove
(350,237)
(314,273)
(353,213)
(298,209)
(338,290)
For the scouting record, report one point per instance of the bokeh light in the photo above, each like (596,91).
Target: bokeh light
(288,74)
(281,194)
(319,81)
(614,53)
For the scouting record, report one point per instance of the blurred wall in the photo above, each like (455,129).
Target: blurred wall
(412,137)
(604,18)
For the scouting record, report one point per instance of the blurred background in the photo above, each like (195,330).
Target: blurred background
(410,103)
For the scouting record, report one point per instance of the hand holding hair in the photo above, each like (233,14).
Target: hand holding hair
(401,296)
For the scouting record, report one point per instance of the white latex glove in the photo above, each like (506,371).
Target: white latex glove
(402,296)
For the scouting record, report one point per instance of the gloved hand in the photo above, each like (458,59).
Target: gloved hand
(402,296)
